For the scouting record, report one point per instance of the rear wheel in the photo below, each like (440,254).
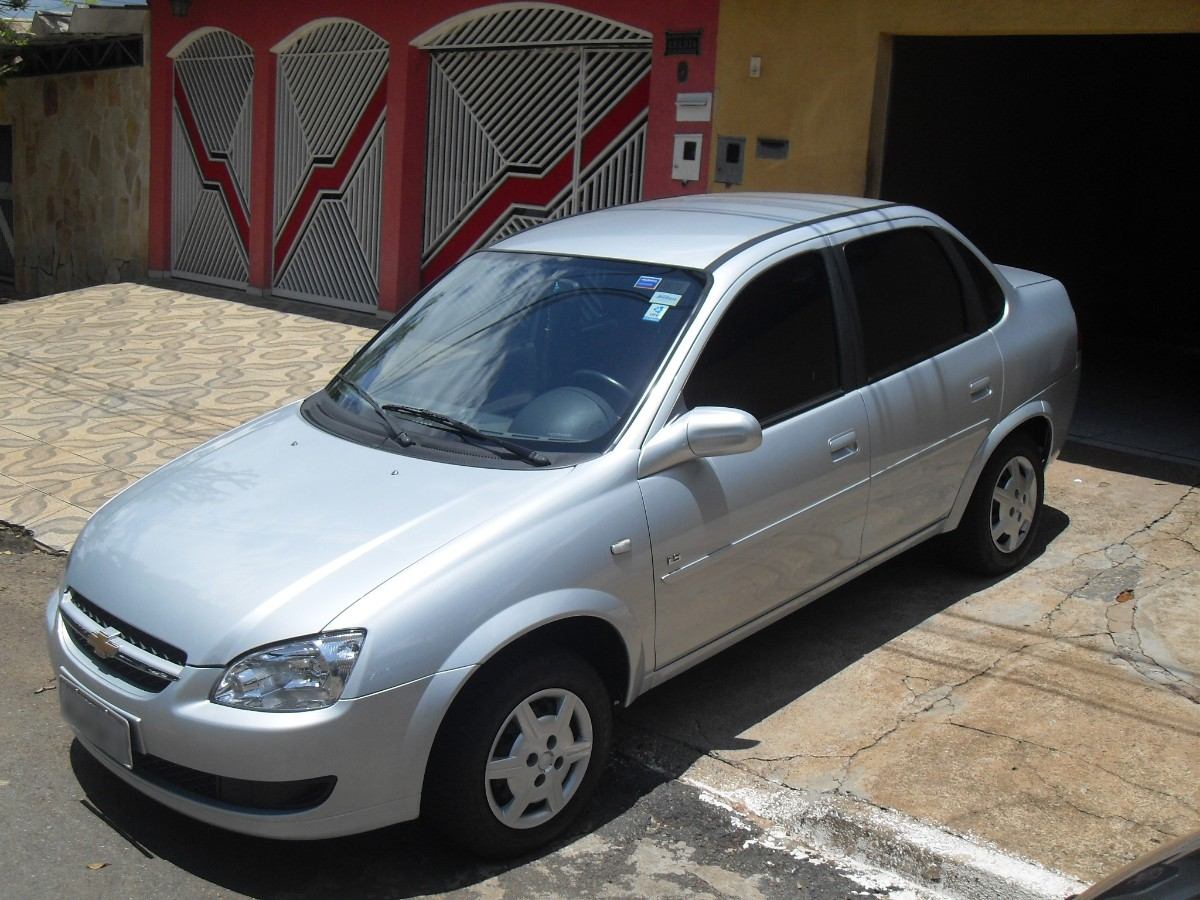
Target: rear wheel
(999,527)
(519,754)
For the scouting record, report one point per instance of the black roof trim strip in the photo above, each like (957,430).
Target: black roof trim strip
(792,226)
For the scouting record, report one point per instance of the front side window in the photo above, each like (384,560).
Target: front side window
(548,352)
(775,349)
(910,300)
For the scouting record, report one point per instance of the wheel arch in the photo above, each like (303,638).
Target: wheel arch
(1034,419)
(596,626)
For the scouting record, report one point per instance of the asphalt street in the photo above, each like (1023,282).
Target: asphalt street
(76,831)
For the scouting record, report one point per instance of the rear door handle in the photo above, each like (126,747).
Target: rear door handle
(843,445)
(981,388)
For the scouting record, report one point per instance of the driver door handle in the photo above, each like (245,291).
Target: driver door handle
(843,445)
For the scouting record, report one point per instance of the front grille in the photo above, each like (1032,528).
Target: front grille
(125,665)
(135,636)
(259,796)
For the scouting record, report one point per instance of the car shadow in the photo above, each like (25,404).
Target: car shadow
(700,711)
(708,707)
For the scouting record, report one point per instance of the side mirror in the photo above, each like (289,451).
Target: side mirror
(703,432)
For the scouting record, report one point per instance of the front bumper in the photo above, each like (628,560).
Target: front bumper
(376,748)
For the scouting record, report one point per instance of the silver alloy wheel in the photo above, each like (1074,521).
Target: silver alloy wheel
(538,758)
(1014,502)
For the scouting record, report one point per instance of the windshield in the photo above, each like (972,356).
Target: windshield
(549,352)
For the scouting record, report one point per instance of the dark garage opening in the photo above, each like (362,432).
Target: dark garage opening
(1074,156)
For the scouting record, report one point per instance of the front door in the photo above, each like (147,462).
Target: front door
(734,537)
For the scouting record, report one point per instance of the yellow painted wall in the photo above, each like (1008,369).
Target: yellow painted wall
(819,63)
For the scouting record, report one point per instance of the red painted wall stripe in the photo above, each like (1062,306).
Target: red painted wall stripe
(215,171)
(539,191)
(330,179)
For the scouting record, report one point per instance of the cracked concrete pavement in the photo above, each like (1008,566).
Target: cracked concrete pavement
(1054,714)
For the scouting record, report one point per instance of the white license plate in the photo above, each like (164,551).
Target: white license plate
(95,721)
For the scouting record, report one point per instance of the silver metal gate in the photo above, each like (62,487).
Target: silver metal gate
(329,118)
(535,113)
(210,159)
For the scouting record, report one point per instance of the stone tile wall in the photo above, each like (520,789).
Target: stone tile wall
(81,158)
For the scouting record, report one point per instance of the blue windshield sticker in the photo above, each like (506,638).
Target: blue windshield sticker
(655,312)
(666,298)
(648,282)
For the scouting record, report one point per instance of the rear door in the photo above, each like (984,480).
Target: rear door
(933,373)
(736,536)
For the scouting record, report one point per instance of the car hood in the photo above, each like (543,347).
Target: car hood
(270,531)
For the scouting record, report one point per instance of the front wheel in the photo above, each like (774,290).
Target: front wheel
(999,526)
(519,754)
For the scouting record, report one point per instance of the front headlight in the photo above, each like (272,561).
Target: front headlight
(307,673)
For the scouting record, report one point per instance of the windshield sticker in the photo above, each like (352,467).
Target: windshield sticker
(648,282)
(655,312)
(666,298)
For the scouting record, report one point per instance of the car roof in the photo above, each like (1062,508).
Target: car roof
(690,232)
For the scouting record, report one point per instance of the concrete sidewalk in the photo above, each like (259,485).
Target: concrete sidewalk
(938,725)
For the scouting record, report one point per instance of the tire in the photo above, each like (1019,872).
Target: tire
(1000,524)
(542,726)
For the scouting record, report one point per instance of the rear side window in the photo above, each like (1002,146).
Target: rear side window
(775,350)
(910,300)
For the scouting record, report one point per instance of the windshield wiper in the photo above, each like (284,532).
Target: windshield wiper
(530,456)
(398,436)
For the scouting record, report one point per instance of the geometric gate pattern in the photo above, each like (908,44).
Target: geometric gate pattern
(535,113)
(210,159)
(330,107)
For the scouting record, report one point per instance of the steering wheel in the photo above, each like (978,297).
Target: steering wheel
(607,384)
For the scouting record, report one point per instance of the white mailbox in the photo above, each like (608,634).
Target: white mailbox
(685,162)
(696,107)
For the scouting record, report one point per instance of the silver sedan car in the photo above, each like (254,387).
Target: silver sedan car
(587,458)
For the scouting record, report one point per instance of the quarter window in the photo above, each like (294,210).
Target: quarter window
(775,349)
(910,301)
(991,295)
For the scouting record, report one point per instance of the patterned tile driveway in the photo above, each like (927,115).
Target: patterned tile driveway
(99,386)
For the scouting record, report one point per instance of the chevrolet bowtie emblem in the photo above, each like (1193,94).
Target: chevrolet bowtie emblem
(102,645)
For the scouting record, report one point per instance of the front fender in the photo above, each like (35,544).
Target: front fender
(492,636)
(514,622)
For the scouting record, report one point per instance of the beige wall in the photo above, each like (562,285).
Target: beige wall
(820,60)
(81,156)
